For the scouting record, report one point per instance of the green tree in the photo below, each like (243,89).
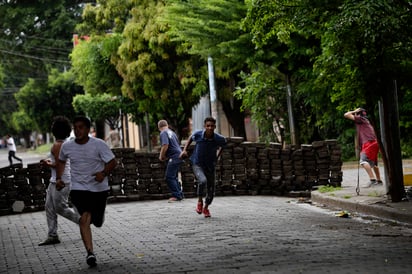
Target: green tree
(157,75)
(35,36)
(213,29)
(291,48)
(372,45)
(364,47)
(99,107)
(23,124)
(93,66)
(42,101)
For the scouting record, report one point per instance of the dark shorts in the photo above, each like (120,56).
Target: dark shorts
(93,202)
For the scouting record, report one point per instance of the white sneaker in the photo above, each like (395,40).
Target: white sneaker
(371,183)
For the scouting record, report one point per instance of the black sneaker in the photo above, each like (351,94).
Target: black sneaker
(91,260)
(51,240)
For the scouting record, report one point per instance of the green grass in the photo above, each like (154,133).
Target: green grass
(374,194)
(43,149)
(324,189)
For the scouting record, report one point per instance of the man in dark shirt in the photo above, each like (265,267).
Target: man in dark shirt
(170,151)
(206,152)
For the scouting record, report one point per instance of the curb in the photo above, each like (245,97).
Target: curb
(377,210)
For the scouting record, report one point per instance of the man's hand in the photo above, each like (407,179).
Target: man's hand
(99,176)
(183,155)
(60,184)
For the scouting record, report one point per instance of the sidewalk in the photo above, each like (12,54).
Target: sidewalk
(371,201)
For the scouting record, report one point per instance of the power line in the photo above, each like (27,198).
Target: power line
(34,57)
(26,46)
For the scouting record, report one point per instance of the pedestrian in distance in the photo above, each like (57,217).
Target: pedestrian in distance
(11,146)
(113,138)
(368,143)
(91,161)
(57,200)
(170,151)
(206,152)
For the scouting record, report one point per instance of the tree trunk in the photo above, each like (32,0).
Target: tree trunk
(235,117)
(391,148)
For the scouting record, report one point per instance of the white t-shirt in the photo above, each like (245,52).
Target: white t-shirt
(10,144)
(85,161)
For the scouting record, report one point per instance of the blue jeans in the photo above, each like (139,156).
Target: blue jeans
(205,179)
(172,170)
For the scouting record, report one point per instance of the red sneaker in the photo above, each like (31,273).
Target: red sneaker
(206,212)
(199,207)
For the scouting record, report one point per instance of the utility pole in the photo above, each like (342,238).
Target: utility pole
(290,111)
(213,97)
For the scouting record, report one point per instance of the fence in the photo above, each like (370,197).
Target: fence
(244,168)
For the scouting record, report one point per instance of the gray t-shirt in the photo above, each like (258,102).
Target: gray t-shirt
(85,161)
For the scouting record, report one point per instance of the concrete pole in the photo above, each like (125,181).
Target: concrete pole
(149,140)
(213,97)
(290,111)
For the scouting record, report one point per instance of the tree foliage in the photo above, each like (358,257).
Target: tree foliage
(213,29)
(93,67)
(100,107)
(35,36)
(43,101)
(365,46)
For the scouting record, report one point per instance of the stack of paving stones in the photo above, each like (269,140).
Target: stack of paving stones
(275,150)
(264,174)
(144,174)
(287,168)
(328,160)
(39,178)
(310,166)
(323,160)
(8,192)
(151,172)
(23,185)
(187,178)
(251,167)
(224,172)
(239,180)
(160,189)
(243,168)
(125,168)
(129,176)
(336,174)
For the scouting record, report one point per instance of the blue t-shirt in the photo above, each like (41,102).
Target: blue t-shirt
(204,154)
(168,137)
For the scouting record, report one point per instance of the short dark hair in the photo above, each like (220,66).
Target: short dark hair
(362,112)
(83,119)
(210,119)
(61,127)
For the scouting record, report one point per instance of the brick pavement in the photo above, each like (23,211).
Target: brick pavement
(246,234)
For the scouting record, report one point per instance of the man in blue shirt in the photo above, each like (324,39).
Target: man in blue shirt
(206,152)
(170,150)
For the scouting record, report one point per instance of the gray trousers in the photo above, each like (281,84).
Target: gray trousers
(57,203)
(205,181)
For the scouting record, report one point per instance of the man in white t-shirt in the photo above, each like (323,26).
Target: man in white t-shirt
(91,161)
(12,149)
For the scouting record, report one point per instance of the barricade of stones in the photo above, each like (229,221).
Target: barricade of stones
(243,168)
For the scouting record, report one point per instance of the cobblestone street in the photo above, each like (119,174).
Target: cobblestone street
(246,234)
